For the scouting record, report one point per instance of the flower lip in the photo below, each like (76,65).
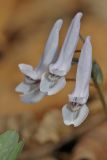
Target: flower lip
(29,80)
(51,84)
(74,117)
(48,81)
(28,71)
(74,106)
(56,71)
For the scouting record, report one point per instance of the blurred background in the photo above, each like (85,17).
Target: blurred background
(24,29)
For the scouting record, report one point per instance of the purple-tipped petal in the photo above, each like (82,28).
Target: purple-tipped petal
(74,117)
(83,75)
(63,64)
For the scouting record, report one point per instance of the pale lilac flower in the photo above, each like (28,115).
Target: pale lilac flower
(54,80)
(76,111)
(31,85)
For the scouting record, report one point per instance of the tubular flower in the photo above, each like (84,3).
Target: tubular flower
(30,87)
(76,111)
(54,80)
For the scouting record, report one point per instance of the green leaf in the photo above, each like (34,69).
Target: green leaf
(17,150)
(10,147)
(97,74)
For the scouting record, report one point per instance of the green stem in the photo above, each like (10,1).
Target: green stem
(82,38)
(101,95)
(70,79)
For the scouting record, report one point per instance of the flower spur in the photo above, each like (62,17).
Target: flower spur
(54,80)
(30,87)
(76,111)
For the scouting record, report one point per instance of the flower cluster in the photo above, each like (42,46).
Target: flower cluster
(48,78)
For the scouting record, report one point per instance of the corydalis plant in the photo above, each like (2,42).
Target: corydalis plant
(48,77)
(30,87)
(76,111)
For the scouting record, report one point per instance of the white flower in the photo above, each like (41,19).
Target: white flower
(76,111)
(31,85)
(54,80)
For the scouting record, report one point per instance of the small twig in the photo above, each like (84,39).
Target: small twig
(78,51)
(82,38)
(75,60)
(70,79)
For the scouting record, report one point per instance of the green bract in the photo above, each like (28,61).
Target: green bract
(97,74)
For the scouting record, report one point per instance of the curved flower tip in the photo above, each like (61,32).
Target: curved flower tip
(25,67)
(51,45)
(51,84)
(28,70)
(79,14)
(74,117)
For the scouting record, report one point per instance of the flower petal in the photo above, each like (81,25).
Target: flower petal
(74,117)
(57,87)
(83,73)
(63,64)
(82,115)
(23,88)
(32,97)
(27,70)
(51,87)
(49,54)
(67,115)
